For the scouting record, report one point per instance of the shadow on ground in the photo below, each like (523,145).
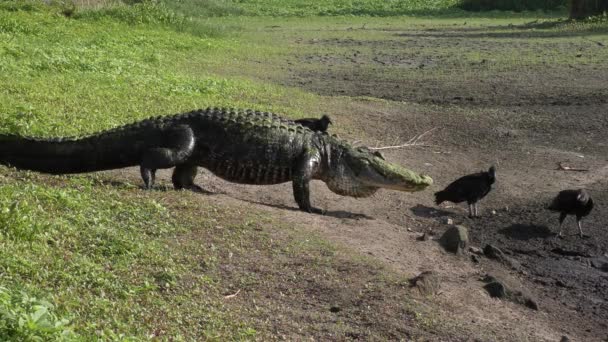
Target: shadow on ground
(520,231)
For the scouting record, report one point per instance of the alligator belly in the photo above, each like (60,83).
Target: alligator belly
(251,174)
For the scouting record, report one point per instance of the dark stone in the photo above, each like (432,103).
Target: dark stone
(601,263)
(564,339)
(475,258)
(427,283)
(334,309)
(493,252)
(498,288)
(455,239)
(497,254)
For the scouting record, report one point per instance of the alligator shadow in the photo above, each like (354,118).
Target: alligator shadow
(332,213)
(429,212)
(524,232)
(125,185)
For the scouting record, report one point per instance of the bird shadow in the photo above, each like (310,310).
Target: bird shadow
(332,213)
(429,212)
(524,232)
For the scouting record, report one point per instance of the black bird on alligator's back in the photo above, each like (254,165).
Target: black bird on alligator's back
(470,188)
(317,125)
(572,202)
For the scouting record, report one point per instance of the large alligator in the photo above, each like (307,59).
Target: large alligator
(247,147)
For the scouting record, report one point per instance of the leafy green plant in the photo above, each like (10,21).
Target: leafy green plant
(27,318)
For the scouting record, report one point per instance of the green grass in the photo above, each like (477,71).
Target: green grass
(307,8)
(97,72)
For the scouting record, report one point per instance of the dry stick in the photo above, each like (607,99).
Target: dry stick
(232,295)
(414,141)
(562,167)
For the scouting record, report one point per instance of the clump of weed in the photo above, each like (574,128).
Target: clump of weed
(27,318)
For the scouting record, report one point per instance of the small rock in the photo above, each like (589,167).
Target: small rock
(475,250)
(427,283)
(495,253)
(493,212)
(335,309)
(449,221)
(455,239)
(564,339)
(499,289)
(425,237)
(475,258)
(601,263)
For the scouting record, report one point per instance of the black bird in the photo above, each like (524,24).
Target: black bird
(470,188)
(572,202)
(317,125)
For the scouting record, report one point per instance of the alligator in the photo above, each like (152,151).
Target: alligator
(241,146)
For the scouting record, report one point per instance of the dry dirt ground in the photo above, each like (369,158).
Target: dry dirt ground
(524,122)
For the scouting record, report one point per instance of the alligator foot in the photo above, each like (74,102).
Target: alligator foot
(316,211)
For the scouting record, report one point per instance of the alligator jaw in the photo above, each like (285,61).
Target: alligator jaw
(385,175)
(359,172)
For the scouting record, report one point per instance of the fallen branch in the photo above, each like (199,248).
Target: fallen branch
(232,295)
(414,141)
(562,167)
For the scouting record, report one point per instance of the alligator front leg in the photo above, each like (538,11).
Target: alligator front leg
(177,146)
(301,177)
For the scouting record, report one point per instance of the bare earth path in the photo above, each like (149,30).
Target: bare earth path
(523,114)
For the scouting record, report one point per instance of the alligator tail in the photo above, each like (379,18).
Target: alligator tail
(103,151)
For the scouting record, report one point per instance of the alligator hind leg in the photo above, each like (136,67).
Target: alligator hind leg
(183,178)
(176,146)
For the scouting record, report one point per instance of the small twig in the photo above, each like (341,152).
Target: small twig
(562,167)
(232,295)
(414,141)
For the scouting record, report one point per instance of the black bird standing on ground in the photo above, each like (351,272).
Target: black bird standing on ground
(572,202)
(470,188)
(317,125)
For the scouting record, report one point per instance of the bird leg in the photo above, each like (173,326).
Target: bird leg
(471,210)
(562,217)
(580,229)
(476,207)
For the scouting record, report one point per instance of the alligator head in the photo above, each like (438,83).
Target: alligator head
(360,172)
